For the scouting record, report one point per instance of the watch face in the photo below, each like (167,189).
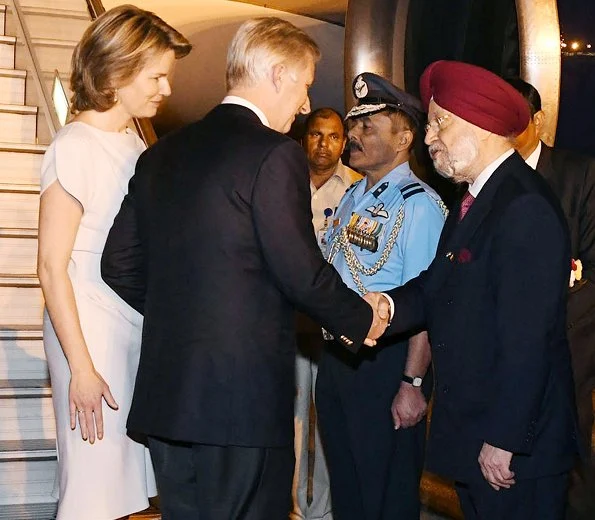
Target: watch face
(417,381)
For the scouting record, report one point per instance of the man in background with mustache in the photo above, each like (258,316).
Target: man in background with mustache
(383,233)
(323,141)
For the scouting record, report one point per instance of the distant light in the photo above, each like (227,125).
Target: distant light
(588,45)
(563,45)
(575,45)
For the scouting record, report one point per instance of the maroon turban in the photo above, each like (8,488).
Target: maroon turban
(476,95)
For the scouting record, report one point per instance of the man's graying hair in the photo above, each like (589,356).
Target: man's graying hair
(262,43)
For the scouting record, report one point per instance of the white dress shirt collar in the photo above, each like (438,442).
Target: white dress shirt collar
(485,175)
(533,159)
(237,100)
(341,174)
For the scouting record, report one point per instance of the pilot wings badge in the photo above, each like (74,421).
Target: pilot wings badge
(360,89)
(378,210)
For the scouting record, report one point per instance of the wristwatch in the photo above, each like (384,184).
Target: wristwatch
(414,381)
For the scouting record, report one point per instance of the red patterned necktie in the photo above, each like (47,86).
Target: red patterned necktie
(465,205)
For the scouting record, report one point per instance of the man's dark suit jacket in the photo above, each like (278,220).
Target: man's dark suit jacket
(572,178)
(214,246)
(494,303)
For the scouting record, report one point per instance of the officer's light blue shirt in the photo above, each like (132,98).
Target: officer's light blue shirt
(377,211)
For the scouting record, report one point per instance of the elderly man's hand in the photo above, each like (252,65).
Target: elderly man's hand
(495,466)
(381,310)
(409,406)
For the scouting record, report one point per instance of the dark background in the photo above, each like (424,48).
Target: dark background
(576,124)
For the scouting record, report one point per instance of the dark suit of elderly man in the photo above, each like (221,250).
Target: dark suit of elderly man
(214,245)
(494,303)
(572,178)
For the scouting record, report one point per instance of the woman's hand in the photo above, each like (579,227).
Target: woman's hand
(87,389)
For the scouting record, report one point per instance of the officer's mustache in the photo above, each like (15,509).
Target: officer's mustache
(354,145)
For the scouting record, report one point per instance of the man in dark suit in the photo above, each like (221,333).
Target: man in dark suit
(214,245)
(494,303)
(572,178)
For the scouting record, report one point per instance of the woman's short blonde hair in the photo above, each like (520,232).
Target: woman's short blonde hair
(113,50)
(262,43)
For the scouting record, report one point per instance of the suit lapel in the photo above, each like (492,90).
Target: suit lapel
(482,206)
(457,235)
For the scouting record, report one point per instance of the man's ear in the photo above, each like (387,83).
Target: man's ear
(278,74)
(405,139)
(344,144)
(539,121)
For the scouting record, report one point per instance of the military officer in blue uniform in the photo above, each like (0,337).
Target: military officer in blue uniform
(371,406)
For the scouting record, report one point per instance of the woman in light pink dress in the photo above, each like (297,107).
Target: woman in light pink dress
(91,337)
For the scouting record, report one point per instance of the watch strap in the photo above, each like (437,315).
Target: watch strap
(414,381)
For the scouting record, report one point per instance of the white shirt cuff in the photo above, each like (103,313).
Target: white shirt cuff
(392,306)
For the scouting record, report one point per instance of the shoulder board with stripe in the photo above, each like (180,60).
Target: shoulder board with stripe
(411,189)
(352,187)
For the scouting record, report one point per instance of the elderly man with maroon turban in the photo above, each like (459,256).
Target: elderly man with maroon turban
(494,303)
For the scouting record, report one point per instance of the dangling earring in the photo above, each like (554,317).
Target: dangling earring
(115,96)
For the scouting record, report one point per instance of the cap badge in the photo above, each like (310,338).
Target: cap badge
(360,88)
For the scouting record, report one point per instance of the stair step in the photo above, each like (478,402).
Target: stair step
(40,511)
(27,449)
(19,208)
(13,73)
(17,233)
(22,363)
(36,387)
(18,123)
(26,414)
(7,48)
(18,251)
(12,86)
(51,23)
(18,109)
(26,482)
(15,280)
(23,366)
(21,165)
(54,54)
(23,332)
(25,417)
(23,148)
(72,5)
(21,301)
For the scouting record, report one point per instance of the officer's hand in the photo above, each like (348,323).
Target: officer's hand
(409,406)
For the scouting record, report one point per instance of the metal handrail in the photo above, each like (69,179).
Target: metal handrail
(95,8)
(143,126)
(46,101)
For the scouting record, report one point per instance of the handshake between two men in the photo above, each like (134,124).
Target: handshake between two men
(381,319)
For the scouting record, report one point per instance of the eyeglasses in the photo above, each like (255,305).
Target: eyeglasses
(436,123)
